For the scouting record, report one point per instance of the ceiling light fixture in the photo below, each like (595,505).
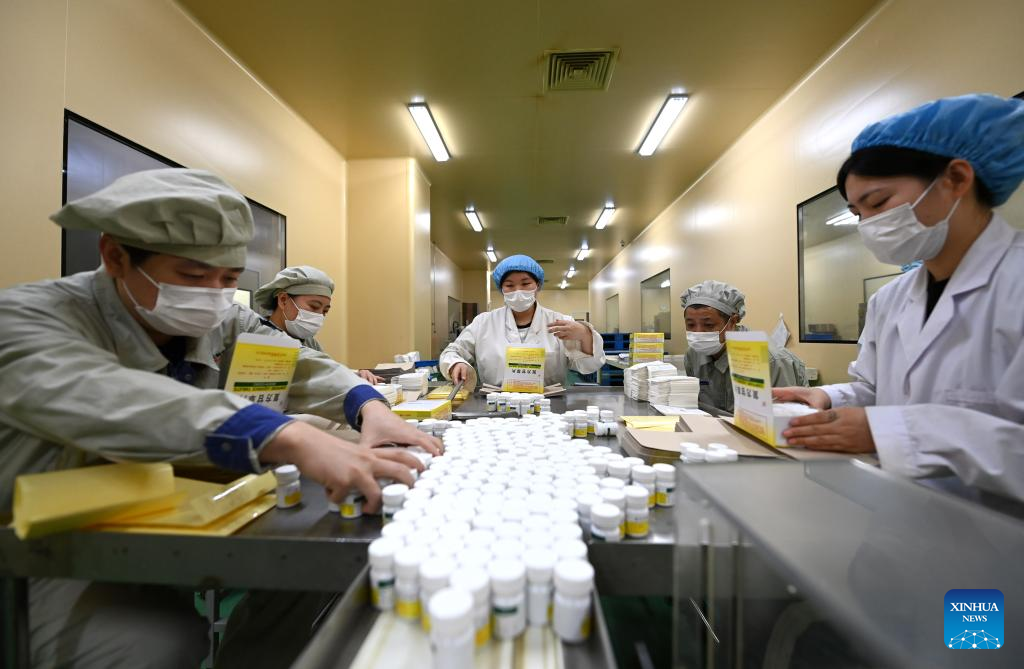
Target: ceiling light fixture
(670,109)
(606,216)
(583,252)
(474,220)
(491,255)
(843,218)
(428,128)
(564,284)
(571,273)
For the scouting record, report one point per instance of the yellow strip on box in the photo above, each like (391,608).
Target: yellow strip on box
(641,347)
(423,409)
(647,337)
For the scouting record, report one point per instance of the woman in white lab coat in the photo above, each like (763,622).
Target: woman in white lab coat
(479,351)
(938,385)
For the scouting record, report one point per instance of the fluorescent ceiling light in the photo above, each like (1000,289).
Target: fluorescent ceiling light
(843,218)
(491,255)
(563,284)
(428,128)
(474,220)
(606,217)
(571,273)
(666,283)
(583,252)
(673,104)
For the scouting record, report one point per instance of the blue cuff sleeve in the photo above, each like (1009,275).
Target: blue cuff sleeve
(234,445)
(354,401)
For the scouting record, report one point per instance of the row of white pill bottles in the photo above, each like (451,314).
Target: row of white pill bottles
(518,404)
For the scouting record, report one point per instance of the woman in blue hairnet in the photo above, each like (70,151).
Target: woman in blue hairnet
(938,385)
(480,350)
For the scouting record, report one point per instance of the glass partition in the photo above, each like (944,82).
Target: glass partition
(655,304)
(837,273)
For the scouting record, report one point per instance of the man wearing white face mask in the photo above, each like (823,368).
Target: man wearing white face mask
(710,309)
(123,364)
(297,302)
(938,385)
(480,349)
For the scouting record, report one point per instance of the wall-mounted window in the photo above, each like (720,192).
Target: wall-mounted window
(611,313)
(656,304)
(837,272)
(94,157)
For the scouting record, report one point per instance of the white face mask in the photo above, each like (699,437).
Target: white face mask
(897,237)
(707,343)
(184,311)
(305,325)
(520,300)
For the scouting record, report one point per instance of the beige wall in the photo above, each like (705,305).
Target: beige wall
(390,298)
(565,301)
(475,283)
(737,223)
(446,277)
(144,70)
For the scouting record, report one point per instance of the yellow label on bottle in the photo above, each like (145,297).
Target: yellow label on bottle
(483,634)
(348,510)
(591,428)
(638,528)
(551,612)
(651,500)
(580,432)
(424,619)
(375,596)
(585,627)
(293,498)
(408,608)
(662,498)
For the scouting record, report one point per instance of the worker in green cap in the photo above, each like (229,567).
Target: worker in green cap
(297,302)
(122,363)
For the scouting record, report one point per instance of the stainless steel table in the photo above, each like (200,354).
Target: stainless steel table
(302,549)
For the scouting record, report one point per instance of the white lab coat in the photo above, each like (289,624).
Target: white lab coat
(946,396)
(482,345)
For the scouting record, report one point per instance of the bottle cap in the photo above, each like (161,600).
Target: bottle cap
(636,496)
(612,483)
(408,561)
(475,556)
(394,494)
(397,531)
(508,576)
(571,549)
(507,548)
(474,580)
(540,563)
(614,497)
(382,553)
(451,611)
(665,473)
(563,531)
(574,577)
(286,474)
(605,515)
(643,474)
(435,573)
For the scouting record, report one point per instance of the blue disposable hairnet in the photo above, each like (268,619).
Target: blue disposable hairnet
(519,263)
(985,130)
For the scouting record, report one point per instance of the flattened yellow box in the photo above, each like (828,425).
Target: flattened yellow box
(643,347)
(422,409)
(647,337)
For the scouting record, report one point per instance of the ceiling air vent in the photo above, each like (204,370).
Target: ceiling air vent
(579,70)
(552,220)
(544,261)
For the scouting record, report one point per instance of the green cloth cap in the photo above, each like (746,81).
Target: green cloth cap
(727,299)
(189,213)
(299,280)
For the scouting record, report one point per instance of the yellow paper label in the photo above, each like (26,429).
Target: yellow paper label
(638,528)
(483,634)
(651,500)
(524,370)
(262,369)
(348,510)
(662,498)
(751,383)
(293,498)
(375,596)
(408,608)
(424,619)
(579,432)
(585,627)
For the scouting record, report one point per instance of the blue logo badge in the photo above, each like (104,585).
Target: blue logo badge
(974,619)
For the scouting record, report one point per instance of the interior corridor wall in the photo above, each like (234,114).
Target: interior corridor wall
(144,69)
(446,278)
(737,223)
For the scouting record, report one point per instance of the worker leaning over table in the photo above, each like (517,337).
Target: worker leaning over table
(121,364)
(479,350)
(938,384)
(297,302)
(710,309)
